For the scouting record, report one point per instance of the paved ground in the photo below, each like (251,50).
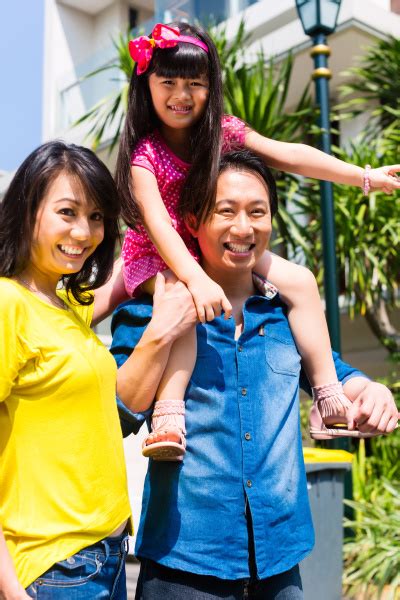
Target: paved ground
(132,572)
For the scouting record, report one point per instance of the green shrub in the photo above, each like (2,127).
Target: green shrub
(372,556)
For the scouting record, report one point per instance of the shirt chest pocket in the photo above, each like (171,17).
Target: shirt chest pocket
(281,353)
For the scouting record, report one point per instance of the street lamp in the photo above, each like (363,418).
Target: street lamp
(319,18)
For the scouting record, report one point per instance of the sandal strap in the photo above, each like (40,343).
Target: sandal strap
(321,392)
(168,407)
(331,399)
(167,415)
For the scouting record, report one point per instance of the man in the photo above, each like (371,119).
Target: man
(233,520)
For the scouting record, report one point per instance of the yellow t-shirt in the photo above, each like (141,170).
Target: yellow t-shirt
(62,471)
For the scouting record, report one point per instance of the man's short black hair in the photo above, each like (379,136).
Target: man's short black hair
(245,160)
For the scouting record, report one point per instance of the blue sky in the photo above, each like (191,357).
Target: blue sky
(21,60)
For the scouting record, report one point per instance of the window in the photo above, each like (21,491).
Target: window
(133,18)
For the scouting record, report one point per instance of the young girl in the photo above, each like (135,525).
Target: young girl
(64,502)
(166,172)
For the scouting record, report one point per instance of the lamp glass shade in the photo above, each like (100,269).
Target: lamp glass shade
(318,16)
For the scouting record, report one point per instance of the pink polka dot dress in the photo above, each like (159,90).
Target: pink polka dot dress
(141,259)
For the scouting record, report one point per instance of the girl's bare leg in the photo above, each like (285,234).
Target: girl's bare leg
(298,289)
(173,384)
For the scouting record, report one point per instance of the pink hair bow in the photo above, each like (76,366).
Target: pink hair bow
(141,49)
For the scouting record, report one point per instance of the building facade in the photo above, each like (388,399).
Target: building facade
(78,39)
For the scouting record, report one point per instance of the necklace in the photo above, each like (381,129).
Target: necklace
(58,304)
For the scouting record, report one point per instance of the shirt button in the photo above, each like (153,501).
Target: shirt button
(244,392)
(247,436)
(71,560)
(249,483)
(240,348)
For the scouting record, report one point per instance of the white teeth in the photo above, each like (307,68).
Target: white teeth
(181,108)
(238,247)
(72,250)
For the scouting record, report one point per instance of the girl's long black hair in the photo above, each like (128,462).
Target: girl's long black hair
(186,61)
(27,189)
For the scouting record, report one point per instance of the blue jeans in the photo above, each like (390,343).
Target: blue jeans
(94,573)
(157,582)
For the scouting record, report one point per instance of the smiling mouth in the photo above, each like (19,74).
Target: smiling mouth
(180,109)
(238,248)
(71,251)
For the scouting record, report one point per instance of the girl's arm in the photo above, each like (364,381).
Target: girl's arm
(173,316)
(10,588)
(310,162)
(299,290)
(207,295)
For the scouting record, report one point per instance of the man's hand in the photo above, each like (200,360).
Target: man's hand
(373,410)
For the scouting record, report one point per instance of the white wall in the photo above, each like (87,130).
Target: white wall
(68,41)
(76,43)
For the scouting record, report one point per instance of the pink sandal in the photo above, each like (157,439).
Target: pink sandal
(168,416)
(328,414)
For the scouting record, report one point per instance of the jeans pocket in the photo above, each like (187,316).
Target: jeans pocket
(75,570)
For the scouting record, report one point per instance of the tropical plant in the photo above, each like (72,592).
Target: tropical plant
(231,52)
(375,84)
(373,463)
(367,242)
(372,556)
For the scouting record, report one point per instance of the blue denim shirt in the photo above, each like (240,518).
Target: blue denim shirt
(243,446)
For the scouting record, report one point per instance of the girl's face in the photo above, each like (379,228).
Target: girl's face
(68,229)
(179,103)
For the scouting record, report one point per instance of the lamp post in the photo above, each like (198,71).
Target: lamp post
(319,18)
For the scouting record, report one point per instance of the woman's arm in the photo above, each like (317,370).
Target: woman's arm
(173,315)
(10,588)
(109,295)
(310,162)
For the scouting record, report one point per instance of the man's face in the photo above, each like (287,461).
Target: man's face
(239,230)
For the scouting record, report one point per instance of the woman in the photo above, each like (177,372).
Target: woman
(64,506)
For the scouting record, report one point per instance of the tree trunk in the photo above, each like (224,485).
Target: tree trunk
(379,322)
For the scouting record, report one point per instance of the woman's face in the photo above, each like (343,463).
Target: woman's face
(68,229)
(239,229)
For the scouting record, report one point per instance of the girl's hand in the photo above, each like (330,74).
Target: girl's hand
(209,298)
(385,179)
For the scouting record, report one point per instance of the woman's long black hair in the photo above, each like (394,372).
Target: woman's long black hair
(27,189)
(186,61)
